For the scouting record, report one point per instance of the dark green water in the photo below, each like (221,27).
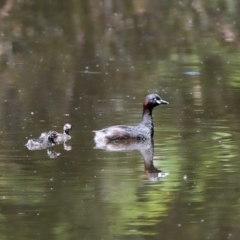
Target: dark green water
(91,63)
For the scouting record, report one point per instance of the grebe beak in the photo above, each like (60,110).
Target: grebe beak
(161,102)
(164,102)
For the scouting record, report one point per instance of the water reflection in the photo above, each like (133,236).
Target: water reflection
(52,154)
(146,148)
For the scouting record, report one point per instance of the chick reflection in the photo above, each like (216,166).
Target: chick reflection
(146,148)
(50,150)
(52,154)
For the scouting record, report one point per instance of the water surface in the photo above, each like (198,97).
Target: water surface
(91,63)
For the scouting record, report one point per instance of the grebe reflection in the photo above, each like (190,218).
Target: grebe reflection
(146,148)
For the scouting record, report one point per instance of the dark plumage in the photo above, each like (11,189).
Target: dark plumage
(62,137)
(144,130)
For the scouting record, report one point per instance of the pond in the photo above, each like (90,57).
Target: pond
(91,64)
